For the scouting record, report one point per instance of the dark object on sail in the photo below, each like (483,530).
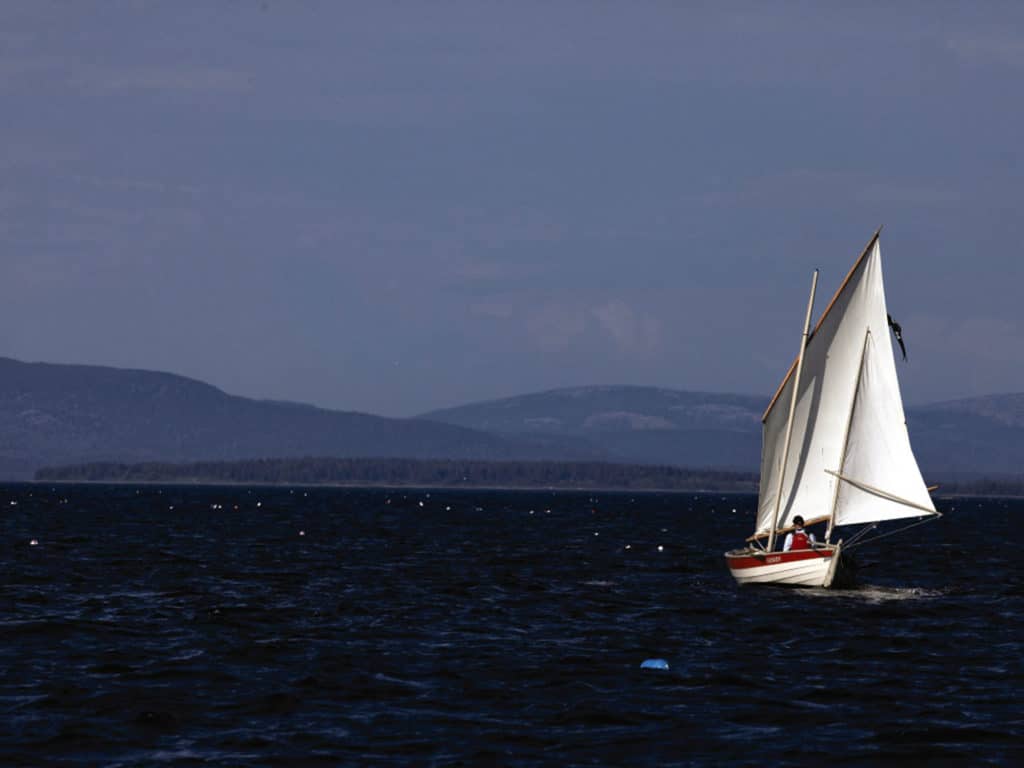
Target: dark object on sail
(897,329)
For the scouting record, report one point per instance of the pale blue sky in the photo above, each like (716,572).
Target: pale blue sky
(392,207)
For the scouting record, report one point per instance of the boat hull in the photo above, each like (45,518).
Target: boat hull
(819,567)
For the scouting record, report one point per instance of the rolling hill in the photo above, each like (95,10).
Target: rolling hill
(956,439)
(54,414)
(62,414)
(630,424)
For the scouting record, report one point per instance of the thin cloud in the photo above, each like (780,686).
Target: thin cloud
(554,327)
(1001,48)
(188,79)
(632,332)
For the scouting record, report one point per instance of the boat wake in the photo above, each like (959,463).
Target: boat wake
(874,593)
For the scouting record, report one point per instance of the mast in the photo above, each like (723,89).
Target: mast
(792,410)
(846,435)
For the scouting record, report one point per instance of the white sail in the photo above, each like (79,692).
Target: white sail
(879,477)
(829,434)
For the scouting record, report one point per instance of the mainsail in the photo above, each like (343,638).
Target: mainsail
(849,450)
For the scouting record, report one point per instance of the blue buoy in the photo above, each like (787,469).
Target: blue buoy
(654,664)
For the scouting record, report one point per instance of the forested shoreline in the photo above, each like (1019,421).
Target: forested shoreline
(399,472)
(452,473)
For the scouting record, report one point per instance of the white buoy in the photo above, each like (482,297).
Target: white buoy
(302,533)
(34,543)
(661,548)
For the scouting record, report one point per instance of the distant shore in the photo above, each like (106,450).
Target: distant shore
(452,474)
(455,474)
(205,483)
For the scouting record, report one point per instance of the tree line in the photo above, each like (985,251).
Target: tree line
(454,473)
(449,473)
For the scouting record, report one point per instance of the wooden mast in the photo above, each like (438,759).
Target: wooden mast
(792,410)
(846,435)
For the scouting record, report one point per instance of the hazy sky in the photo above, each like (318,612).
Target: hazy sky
(392,207)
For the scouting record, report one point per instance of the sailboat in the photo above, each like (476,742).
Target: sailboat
(835,448)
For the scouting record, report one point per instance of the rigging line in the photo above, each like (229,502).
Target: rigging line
(860,534)
(928,519)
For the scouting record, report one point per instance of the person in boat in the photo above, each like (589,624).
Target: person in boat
(798,538)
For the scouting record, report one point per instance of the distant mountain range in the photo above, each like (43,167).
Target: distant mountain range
(630,424)
(952,440)
(67,414)
(71,414)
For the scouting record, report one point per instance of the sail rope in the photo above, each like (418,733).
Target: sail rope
(860,534)
(854,543)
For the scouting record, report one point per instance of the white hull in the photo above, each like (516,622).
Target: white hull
(801,568)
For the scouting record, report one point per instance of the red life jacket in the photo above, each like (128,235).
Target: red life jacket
(800,541)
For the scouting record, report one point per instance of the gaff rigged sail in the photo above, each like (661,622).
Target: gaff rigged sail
(849,449)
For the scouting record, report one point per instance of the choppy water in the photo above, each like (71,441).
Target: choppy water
(165,626)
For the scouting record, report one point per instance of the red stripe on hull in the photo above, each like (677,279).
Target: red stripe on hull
(738,562)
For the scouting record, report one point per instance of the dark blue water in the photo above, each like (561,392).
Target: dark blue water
(269,626)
